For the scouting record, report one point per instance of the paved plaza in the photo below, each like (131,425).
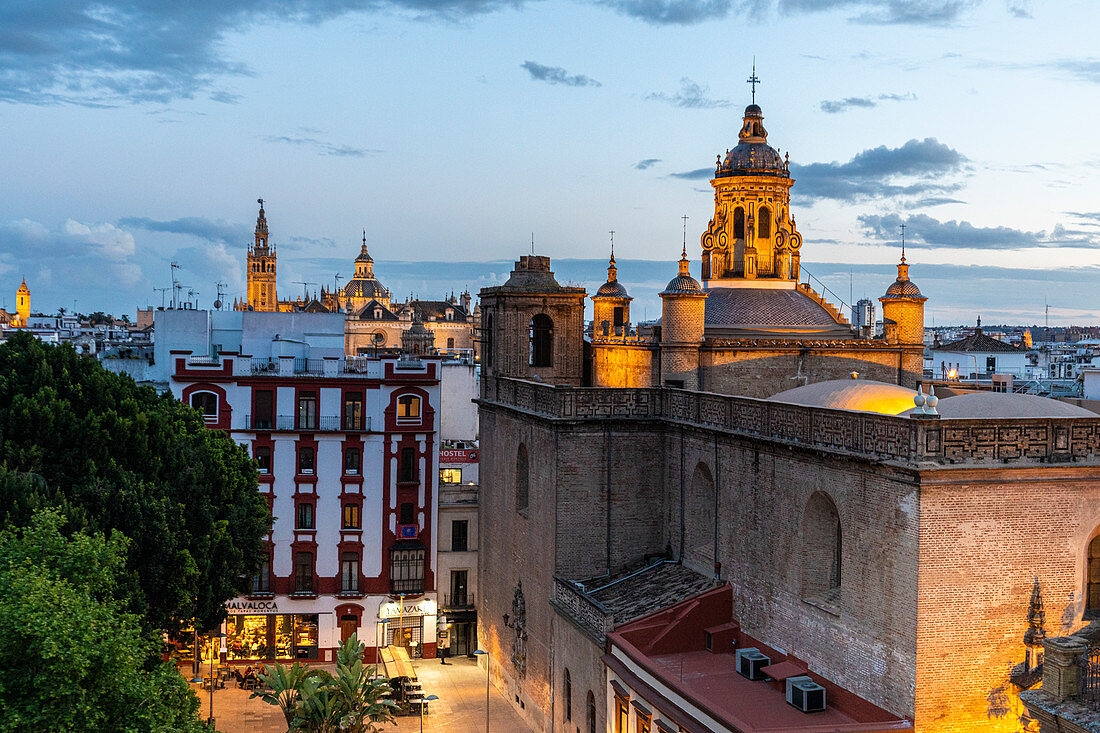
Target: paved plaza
(460,685)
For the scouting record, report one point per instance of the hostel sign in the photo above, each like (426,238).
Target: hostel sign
(458,455)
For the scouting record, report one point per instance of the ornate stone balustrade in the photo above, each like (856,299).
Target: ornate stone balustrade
(883,437)
(587,613)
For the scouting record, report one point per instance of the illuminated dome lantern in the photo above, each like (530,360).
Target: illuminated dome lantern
(611,305)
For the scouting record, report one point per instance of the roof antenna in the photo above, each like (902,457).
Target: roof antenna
(532,243)
(753,80)
(612,244)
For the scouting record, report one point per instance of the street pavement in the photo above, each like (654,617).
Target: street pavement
(460,685)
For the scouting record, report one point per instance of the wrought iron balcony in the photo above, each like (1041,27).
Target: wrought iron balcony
(323,423)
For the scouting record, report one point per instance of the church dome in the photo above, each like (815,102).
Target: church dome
(612,290)
(903,289)
(365,288)
(864,395)
(683,283)
(752,155)
(364,256)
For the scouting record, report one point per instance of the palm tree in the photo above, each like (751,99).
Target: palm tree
(284,684)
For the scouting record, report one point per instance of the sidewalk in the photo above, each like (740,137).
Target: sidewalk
(460,685)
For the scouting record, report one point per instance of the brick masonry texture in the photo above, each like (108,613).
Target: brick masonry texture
(940,543)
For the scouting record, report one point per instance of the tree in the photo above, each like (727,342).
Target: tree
(71,658)
(113,456)
(316,701)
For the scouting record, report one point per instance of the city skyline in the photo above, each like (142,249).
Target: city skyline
(452,131)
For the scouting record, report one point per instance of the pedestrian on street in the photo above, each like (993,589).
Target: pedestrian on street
(444,645)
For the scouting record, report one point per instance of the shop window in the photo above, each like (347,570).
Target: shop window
(305,460)
(408,513)
(305,516)
(408,409)
(408,471)
(568,696)
(307,410)
(590,712)
(460,530)
(353,411)
(459,580)
(407,570)
(351,461)
(522,480)
(349,572)
(206,403)
(264,406)
(261,581)
(263,458)
(542,341)
(351,518)
(303,572)
(450,475)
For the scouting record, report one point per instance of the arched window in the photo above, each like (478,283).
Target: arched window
(591,705)
(822,551)
(522,479)
(699,532)
(408,409)
(206,403)
(568,696)
(764,227)
(450,343)
(738,223)
(542,341)
(1092,597)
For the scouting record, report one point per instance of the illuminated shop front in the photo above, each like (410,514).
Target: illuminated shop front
(409,624)
(259,633)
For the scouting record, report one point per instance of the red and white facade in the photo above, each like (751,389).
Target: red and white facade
(348,450)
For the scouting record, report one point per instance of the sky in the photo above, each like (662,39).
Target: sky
(136,133)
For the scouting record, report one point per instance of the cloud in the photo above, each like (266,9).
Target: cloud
(89,255)
(558,75)
(699,174)
(1019,8)
(684,12)
(110,52)
(320,146)
(835,106)
(690,96)
(930,201)
(210,230)
(922,229)
(920,165)
(647,163)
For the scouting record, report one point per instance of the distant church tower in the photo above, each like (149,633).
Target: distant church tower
(682,303)
(261,268)
(22,305)
(752,235)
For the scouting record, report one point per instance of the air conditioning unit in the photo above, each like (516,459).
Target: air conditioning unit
(750,661)
(805,694)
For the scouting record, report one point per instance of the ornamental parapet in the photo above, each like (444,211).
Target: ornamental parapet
(870,435)
(585,612)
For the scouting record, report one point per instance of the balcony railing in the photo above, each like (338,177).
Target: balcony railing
(458,600)
(324,423)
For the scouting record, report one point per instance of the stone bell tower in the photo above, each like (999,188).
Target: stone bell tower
(682,303)
(532,327)
(261,267)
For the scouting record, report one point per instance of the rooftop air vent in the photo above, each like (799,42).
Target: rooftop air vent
(750,661)
(805,694)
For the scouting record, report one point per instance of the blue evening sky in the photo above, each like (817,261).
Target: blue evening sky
(137,132)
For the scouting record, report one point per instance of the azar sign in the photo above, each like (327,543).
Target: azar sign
(458,455)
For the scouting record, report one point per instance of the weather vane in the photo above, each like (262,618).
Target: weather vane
(902,228)
(260,202)
(753,80)
(685,218)
(612,243)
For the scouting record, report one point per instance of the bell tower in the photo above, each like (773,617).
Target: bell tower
(22,305)
(261,267)
(751,241)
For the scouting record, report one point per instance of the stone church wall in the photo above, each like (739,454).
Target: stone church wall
(623,365)
(867,645)
(761,372)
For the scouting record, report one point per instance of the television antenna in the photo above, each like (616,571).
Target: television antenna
(221,291)
(175,285)
(305,287)
(162,291)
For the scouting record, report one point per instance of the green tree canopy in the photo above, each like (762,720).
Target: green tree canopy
(115,456)
(72,659)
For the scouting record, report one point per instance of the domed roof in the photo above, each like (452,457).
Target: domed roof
(612,290)
(752,155)
(903,289)
(365,288)
(683,283)
(864,395)
(1004,404)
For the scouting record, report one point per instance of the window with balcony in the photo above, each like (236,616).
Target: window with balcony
(352,460)
(460,530)
(351,517)
(408,472)
(263,458)
(264,407)
(305,460)
(353,411)
(408,409)
(349,572)
(407,570)
(303,572)
(206,403)
(307,410)
(304,516)
(261,581)
(458,587)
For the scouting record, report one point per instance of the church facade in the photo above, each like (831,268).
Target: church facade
(893,550)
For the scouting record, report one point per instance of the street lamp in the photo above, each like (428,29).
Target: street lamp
(423,702)
(216,636)
(479,652)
